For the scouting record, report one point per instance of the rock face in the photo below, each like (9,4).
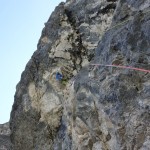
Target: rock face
(92,107)
(5,143)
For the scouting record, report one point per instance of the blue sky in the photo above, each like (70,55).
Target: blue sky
(21,23)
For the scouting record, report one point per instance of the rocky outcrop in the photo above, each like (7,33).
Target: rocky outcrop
(92,107)
(4,129)
(5,143)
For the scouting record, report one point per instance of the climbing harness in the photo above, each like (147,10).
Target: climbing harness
(123,67)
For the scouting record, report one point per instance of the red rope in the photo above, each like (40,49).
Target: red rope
(125,67)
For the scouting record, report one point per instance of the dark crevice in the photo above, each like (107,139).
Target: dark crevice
(107,8)
(124,18)
(71,19)
(78,49)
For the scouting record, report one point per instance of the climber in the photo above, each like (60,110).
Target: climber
(59,76)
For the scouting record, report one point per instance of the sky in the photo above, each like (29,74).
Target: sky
(21,23)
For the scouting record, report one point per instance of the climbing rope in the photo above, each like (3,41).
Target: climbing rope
(120,66)
(123,67)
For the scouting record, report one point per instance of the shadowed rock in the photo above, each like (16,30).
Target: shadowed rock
(5,143)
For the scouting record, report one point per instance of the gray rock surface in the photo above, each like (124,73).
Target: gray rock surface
(93,107)
(5,143)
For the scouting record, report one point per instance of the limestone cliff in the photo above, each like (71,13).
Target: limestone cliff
(92,107)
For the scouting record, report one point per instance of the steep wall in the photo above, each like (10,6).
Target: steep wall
(93,107)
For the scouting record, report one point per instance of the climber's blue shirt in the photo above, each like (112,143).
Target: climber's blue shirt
(58,76)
